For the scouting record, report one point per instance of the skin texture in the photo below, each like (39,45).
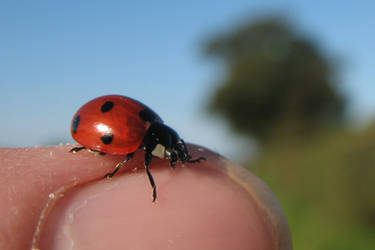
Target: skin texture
(53,199)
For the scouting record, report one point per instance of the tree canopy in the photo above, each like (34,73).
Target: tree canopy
(275,78)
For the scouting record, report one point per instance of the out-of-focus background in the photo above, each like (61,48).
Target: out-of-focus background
(285,88)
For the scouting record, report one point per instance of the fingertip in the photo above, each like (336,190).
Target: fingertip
(214,204)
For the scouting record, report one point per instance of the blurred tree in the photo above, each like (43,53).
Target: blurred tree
(276,80)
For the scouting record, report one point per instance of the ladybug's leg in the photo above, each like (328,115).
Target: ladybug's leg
(148,158)
(196,160)
(118,166)
(95,151)
(76,149)
(173,163)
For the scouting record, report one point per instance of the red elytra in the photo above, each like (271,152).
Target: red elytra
(114,115)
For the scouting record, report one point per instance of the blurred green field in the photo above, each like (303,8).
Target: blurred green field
(326,187)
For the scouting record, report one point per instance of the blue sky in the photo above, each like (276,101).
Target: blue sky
(56,55)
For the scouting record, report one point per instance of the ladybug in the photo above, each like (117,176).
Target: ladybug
(119,125)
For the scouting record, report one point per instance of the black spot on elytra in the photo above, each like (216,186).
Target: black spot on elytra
(75,123)
(149,116)
(107,138)
(107,106)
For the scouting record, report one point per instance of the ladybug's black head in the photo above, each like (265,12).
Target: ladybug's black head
(163,142)
(178,152)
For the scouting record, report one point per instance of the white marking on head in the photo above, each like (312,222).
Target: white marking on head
(159,151)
